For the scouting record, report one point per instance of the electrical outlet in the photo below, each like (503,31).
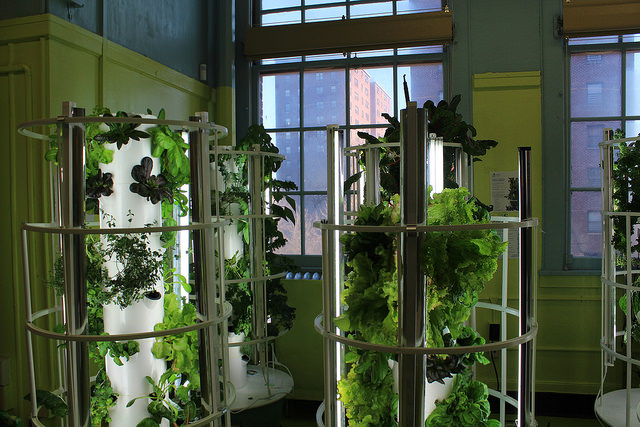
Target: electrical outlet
(494,332)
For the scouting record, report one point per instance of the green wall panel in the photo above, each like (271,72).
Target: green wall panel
(300,349)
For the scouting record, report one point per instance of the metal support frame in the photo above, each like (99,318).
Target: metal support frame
(411,295)
(205,273)
(256,249)
(333,351)
(72,197)
(525,396)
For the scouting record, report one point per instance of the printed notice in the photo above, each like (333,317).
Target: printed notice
(504,191)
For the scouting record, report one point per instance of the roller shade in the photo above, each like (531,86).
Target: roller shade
(418,29)
(586,18)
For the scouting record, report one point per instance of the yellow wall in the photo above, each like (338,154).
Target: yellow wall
(507,108)
(44,61)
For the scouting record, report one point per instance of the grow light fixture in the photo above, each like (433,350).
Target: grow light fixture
(435,163)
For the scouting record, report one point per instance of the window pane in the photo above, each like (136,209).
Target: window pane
(585,234)
(633,128)
(291,232)
(593,40)
(356,140)
(285,60)
(315,209)
(633,83)
(595,84)
(629,38)
(585,153)
(278,4)
(373,53)
(410,6)
(372,9)
(371,95)
(325,14)
(324,97)
(424,81)
(288,144)
(324,57)
(279,100)
(419,50)
(315,161)
(293,17)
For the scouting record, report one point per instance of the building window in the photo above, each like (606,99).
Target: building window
(604,80)
(357,90)
(594,93)
(594,222)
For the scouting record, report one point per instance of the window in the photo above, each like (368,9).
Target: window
(358,87)
(604,79)
(594,222)
(594,93)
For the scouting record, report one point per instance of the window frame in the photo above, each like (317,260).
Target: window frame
(589,265)
(313,263)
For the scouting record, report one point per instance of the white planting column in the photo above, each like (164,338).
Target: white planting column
(127,209)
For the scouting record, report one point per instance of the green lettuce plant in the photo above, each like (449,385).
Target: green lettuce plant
(466,406)
(457,264)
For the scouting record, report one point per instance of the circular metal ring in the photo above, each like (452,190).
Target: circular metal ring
(513,342)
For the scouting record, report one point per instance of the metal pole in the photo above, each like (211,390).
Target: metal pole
(525,397)
(411,289)
(204,274)
(333,274)
(608,257)
(372,176)
(256,243)
(72,214)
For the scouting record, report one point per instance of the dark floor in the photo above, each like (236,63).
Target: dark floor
(552,410)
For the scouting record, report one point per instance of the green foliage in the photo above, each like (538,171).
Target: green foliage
(120,133)
(179,351)
(626,192)
(457,265)
(54,403)
(367,390)
(139,267)
(235,172)
(626,198)
(103,398)
(371,294)
(466,406)
(445,122)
